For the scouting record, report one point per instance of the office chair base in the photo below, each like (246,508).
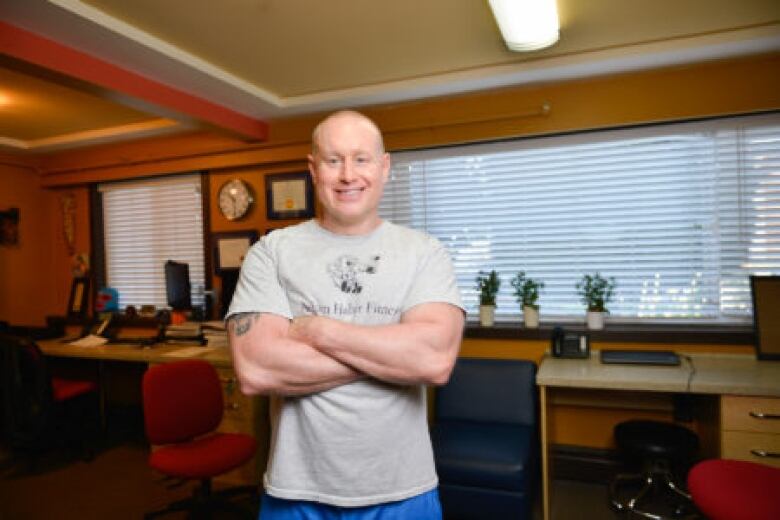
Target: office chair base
(651,484)
(203,502)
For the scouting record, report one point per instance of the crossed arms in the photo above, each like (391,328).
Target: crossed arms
(273,355)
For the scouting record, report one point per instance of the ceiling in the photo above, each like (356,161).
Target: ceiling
(80,72)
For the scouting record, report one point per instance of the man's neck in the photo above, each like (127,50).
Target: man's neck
(364,227)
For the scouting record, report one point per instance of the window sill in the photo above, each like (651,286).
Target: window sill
(623,333)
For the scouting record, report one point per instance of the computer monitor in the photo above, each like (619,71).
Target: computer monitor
(177,285)
(766,315)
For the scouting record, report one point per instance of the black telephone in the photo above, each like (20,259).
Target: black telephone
(569,344)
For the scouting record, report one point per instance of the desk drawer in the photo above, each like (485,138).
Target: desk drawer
(237,405)
(754,447)
(753,414)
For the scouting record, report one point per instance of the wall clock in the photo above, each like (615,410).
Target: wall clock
(235,199)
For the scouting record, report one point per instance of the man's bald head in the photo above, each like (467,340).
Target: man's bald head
(346,116)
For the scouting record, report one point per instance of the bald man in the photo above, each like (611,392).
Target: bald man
(343,321)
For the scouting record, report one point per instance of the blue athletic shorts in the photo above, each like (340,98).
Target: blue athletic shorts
(420,507)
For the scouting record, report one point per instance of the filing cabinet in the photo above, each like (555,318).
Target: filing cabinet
(750,429)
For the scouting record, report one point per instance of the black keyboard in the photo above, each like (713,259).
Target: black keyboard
(640,357)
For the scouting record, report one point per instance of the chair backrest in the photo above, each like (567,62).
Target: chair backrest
(182,400)
(492,390)
(27,395)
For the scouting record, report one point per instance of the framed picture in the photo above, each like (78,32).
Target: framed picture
(289,195)
(231,247)
(79,297)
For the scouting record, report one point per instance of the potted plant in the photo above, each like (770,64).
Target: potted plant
(596,292)
(487,286)
(527,293)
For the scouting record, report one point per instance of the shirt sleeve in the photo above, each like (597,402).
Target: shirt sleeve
(258,288)
(435,279)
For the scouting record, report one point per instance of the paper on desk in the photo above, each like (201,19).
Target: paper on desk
(188,352)
(90,341)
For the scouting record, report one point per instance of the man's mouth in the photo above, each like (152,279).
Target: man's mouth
(349,193)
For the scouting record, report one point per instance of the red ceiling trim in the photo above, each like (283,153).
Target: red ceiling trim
(30,47)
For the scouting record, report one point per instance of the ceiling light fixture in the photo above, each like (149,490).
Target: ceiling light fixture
(526,25)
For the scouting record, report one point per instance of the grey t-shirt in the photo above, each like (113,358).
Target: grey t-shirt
(365,442)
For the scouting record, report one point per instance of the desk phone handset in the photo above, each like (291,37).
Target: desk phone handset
(569,344)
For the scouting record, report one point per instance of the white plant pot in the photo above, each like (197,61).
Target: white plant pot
(530,317)
(594,320)
(487,315)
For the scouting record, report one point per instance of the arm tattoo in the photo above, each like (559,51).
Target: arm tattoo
(242,322)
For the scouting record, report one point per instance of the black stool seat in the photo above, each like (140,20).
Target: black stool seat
(656,439)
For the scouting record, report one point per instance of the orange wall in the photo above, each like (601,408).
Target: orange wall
(35,274)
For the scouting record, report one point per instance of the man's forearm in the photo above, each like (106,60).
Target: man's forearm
(420,350)
(268,362)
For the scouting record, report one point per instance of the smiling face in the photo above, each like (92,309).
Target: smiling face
(349,168)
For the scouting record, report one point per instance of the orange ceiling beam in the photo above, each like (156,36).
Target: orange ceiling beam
(32,48)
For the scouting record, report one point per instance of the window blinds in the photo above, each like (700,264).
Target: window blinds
(679,214)
(146,223)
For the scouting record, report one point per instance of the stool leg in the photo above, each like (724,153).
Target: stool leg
(649,483)
(613,488)
(671,485)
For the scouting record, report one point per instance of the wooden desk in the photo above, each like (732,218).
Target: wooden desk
(218,356)
(733,379)
(243,414)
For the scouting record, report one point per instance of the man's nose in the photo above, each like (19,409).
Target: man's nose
(347,172)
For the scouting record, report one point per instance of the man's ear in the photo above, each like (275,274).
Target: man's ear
(312,168)
(385,167)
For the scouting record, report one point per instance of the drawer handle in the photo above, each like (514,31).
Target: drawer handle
(764,453)
(762,415)
(233,406)
(232,381)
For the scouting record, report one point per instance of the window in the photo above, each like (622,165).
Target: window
(679,214)
(146,223)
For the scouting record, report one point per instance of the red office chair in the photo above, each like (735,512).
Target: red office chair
(726,489)
(182,408)
(42,410)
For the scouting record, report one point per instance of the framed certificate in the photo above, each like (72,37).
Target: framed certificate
(289,195)
(79,297)
(230,248)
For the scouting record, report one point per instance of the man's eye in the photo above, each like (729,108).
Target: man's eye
(333,161)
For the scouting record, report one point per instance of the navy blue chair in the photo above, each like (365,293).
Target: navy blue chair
(485,439)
